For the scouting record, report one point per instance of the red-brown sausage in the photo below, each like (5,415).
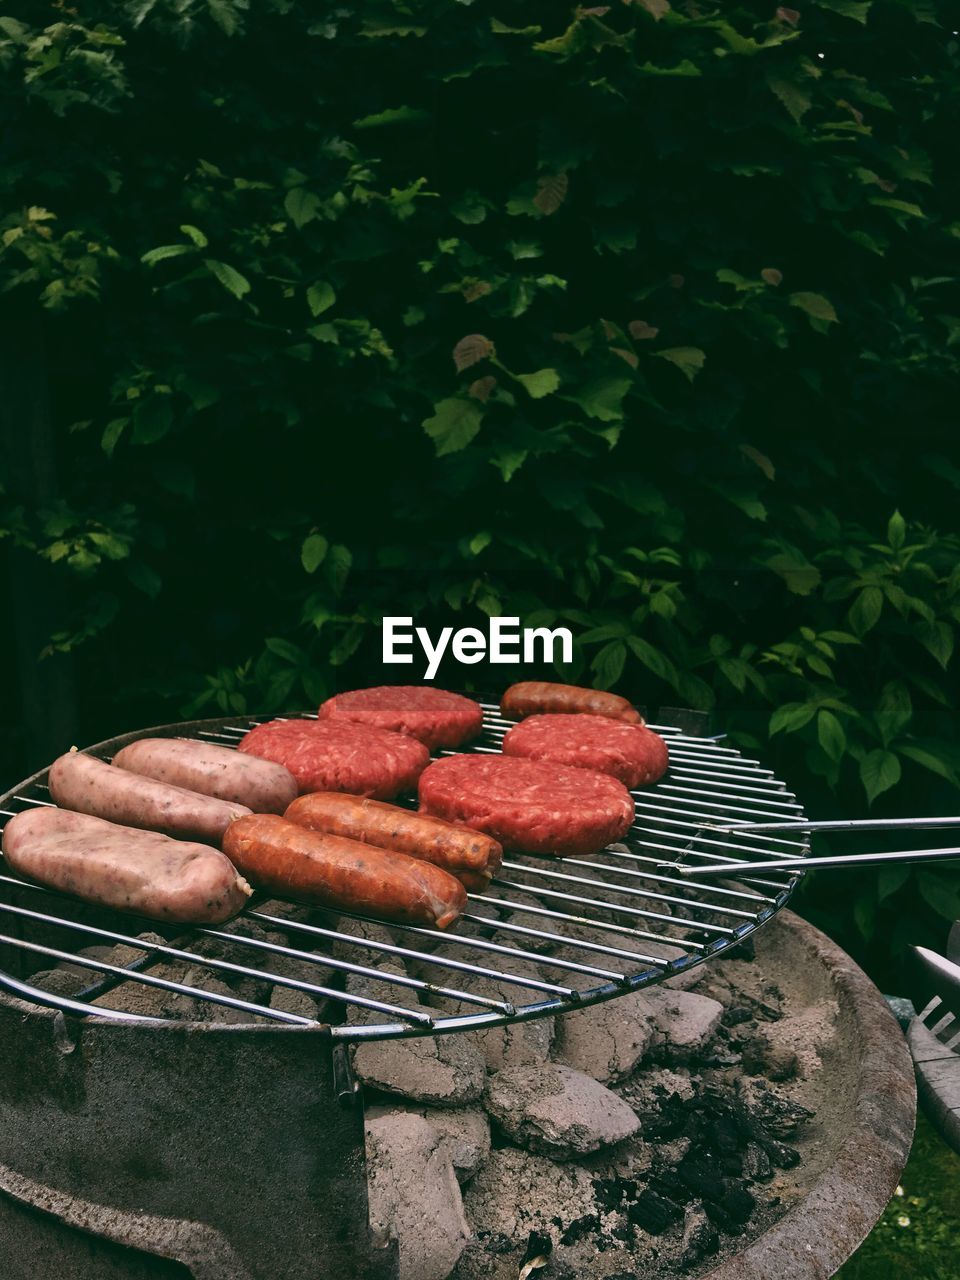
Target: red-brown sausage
(261,786)
(129,870)
(469,855)
(88,785)
(292,862)
(536,697)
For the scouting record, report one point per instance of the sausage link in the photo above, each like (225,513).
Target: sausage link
(261,786)
(535,697)
(130,870)
(457,849)
(88,785)
(292,862)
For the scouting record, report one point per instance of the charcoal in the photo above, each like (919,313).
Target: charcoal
(738,1203)
(700,1236)
(737,1014)
(756,1165)
(653,1213)
(610,1193)
(580,1227)
(781,1155)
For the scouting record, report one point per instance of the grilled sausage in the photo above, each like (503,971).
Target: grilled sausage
(88,785)
(113,866)
(535,697)
(292,862)
(259,785)
(469,855)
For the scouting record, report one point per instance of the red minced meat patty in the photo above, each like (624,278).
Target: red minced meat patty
(631,752)
(434,716)
(340,756)
(528,805)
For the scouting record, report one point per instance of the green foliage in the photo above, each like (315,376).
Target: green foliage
(639,319)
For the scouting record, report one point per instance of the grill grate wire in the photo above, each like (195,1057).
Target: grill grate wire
(598,913)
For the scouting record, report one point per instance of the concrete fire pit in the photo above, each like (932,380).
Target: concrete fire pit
(580,1158)
(866,1144)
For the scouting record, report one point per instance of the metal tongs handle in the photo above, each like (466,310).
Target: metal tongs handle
(796,863)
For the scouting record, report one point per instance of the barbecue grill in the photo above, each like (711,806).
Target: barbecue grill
(274,1100)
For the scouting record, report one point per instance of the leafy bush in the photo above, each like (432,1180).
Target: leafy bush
(638,318)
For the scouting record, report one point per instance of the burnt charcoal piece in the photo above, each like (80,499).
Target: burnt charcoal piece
(781,1155)
(580,1227)
(700,1237)
(756,1166)
(701,1177)
(736,1014)
(539,1245)
(653,1213)
(738,1203)
(775,1115)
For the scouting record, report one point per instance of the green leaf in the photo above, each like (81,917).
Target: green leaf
(542,383)
(929,760)
(940,894)
(855,9)
(302,206)
(603,398)
(879,771)
(937,639)
(339,564)
(393,115)
(656,8)
(313,552)
(790,94)
(689,360)
(479,541)
(896,531)
(153,256)
(508,461)
(196,235)
(801,578)
(144,579)
(830,735)
(791,717)
(653,659)
(817,307)
(286,650)
(609,631)
(865,610)
(889,880)
(152,419)
(320,297)
(229,277)
(608,663)
(454,424)
(894,710)
(111,434)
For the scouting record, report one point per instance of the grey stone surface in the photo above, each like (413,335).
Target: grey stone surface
(607,1041)
(684,1021)
(556,1111)
(414,1192)
(290,1000)
(466,1131)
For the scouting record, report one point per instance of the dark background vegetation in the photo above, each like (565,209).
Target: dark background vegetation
(637,319)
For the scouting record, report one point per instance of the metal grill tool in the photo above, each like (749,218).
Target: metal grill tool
(833,861)
(619,920)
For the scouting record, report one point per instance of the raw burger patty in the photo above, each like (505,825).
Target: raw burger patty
(335,755)
(528,804)
(634,754)
(436,717)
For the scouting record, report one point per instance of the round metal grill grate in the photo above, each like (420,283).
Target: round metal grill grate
(547,936)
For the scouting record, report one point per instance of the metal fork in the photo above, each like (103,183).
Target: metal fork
(938,983)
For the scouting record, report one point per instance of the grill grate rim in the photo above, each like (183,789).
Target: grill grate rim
(704,782)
